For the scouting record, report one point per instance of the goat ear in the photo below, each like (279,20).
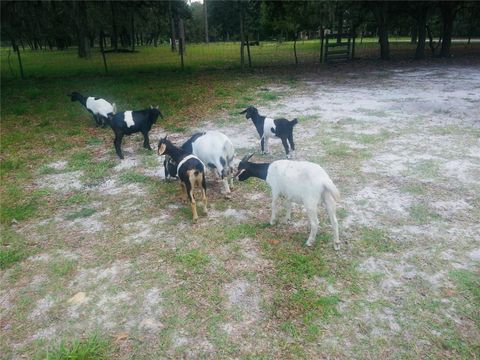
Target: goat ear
(157,107)
(151,107)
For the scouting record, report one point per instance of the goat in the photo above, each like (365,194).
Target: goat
(298,181)
(99,108)
(269,128)
(190,170)
(129,122)
(215,150)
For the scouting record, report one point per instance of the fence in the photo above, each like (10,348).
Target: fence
(220,55)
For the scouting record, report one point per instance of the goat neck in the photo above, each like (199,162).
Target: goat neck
(174,152)
(259,170)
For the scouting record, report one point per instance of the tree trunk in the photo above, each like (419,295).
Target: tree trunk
(430,40)
(181,31)
(322,38)
(414,34)
(339,26)
(421,30)
(114,36)
(173,39)
(132,29)
(248,53)
(15,48)
(448,15)
(380,11)
(82,30)
(205,18)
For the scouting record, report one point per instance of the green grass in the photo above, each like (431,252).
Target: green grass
(132,177)
(422,214)
(63,267)
(192,261)
(83,213)
(374,240)
(468,283)
(13,247)
(92,348)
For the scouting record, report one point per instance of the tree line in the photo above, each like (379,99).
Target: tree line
(122,25)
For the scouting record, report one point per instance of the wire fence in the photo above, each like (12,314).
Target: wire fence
(219,55)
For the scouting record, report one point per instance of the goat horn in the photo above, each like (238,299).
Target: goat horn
(244,111)
(247,157)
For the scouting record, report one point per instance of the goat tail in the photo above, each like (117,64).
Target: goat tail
(294,122)
(332,189)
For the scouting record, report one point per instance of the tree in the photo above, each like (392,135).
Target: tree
(448,11)
(380,11)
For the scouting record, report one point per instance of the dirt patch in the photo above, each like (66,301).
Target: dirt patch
(62,182)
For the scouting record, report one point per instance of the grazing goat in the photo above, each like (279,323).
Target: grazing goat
(190,170)
(298,181)
(215,150)
(99,108)
(129,122)
(269,128)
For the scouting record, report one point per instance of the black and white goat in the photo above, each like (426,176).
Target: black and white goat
(99,108)
(270,128)
(297,181)
(129,122)
(215,150)
(190,170)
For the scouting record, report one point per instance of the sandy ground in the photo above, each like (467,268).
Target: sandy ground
(403,147)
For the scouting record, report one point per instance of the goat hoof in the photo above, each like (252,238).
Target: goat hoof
(228,196)
(336,247)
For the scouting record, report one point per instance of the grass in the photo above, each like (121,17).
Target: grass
(297,301)
(422,214)
(374,241)
(92,348)
(83,213)
(13,248)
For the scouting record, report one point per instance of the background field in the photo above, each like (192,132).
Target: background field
(100,256)
(46,63)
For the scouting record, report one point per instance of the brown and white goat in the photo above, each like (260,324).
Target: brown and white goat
(190,171)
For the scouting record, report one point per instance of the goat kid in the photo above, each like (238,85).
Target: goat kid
(130,122)
(101,109)
(270,128)
(300,182)
(190,170)
(215,150)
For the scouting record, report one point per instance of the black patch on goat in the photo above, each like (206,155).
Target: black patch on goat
(188,145)
(143,121)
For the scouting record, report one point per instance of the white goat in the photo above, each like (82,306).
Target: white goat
(298,181)
(215,150)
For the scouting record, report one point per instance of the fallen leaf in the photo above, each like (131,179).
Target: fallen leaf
(273,242)
(78,298)
(121,336)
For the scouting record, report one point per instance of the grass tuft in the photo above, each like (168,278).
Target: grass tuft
(93,348)
(83,213)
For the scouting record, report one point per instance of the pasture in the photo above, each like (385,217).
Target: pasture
(100,255)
